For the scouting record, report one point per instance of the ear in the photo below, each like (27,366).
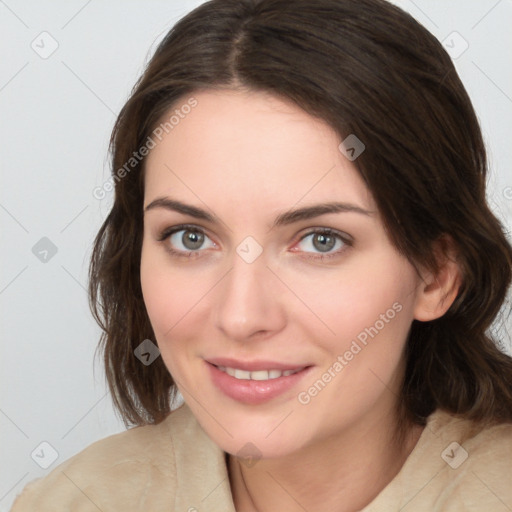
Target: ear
(438,290)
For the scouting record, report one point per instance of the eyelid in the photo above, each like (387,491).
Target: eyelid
(346,239)
(167,232)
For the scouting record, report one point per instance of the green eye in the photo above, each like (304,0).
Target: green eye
(322,242)
(192,240)
(187,240)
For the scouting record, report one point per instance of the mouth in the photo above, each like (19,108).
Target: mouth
(257,374)
(254,382)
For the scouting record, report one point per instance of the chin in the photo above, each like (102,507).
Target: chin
(237,428)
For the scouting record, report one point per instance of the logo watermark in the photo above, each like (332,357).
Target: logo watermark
(356,346)
(137,156)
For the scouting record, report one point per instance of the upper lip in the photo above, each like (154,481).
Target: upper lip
(253,365)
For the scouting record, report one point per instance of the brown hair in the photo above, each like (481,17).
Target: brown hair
(367,68)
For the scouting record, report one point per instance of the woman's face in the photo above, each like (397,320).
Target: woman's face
(278,303)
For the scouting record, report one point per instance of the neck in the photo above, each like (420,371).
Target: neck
(344,472)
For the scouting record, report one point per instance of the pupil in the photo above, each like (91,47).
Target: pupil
(323,243)
(192,239)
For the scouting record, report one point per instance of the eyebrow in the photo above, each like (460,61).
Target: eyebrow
(177,206)
(285,218)
(310,212)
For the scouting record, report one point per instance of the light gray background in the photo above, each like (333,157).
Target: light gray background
(56,114)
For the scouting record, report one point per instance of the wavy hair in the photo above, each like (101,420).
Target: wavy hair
(365,67)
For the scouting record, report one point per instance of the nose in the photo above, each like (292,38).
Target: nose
(249,304)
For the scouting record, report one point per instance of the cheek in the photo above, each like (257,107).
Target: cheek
(168,294)
(363,301)
(370,313)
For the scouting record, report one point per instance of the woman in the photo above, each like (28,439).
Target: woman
(300,225)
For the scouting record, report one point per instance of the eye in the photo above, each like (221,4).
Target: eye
(184,240)
(323,242)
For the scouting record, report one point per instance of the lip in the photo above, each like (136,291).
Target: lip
(254,392)
(253,366)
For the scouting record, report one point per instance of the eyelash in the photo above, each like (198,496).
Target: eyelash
(168,232)
(345,239)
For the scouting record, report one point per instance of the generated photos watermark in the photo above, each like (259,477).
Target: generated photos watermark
(356,346)
(156,136)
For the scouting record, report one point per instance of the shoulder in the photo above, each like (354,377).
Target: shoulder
(470,447)
(456,465)
(478,466)
(133,470)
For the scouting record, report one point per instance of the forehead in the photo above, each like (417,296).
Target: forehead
(237,146)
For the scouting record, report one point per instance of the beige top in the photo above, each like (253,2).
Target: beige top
(174,466)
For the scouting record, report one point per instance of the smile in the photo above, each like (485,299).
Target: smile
(258,382)
(258,374)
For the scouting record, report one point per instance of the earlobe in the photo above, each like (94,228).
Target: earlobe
(439,290)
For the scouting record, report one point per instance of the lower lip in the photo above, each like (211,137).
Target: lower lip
(254,392)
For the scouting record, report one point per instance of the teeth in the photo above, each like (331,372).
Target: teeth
(258,374)
(242,374)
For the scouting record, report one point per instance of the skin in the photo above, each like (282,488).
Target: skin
(246,157)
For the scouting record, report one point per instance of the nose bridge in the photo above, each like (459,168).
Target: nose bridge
(243,279)
(247,304)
